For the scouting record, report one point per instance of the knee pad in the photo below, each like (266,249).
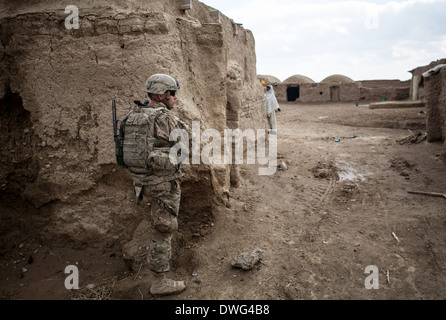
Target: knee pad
(165,222)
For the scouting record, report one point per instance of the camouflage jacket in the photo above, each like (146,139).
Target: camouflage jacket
(165,123)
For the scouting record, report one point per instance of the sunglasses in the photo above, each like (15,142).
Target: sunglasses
(173,93)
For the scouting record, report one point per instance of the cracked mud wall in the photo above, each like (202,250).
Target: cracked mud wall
(435,96)
(417,83)
(56,90)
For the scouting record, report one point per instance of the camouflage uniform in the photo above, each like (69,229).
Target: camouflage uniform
(153,162)
(164,192)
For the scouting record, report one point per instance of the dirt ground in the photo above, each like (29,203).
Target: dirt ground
(339,207)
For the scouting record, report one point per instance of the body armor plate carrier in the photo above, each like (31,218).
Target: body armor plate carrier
(143,152)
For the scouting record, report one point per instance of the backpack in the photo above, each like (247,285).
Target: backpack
(143,152)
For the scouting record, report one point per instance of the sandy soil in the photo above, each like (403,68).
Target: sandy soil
(338,208)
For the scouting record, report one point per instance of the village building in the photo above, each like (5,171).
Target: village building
(417,82)
(434,94)
(337,88)
(426,87)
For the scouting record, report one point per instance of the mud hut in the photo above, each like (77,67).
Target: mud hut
(383,90)
(268,79)
(435,97)
(290,89)
(334,88)
(340,88)
(417,88)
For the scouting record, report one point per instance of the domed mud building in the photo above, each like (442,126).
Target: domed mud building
(339,88)
(332,89)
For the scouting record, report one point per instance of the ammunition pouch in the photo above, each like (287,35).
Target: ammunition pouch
(161,162)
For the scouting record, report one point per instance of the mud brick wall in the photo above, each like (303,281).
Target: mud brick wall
(435,89)
(56,88)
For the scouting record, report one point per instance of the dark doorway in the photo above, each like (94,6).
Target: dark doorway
(293,93)
(334,94)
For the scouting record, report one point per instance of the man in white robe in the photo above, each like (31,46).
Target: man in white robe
(271,105)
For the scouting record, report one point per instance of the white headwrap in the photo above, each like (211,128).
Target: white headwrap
(270,101)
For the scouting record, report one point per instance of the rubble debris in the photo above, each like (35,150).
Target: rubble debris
(388,276)
(283,166)
(413,138)
(325,170)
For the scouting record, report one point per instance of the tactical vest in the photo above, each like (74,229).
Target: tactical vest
(143,152)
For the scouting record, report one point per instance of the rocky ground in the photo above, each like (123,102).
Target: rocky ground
(340,204)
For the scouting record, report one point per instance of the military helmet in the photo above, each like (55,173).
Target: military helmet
(160,83)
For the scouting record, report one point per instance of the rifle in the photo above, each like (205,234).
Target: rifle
(119,138)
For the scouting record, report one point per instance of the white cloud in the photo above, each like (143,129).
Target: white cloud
(342,29)
(286,49)
(406,49)
(360,39)
(440,44)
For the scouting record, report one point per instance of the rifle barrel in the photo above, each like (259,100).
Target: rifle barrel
(115,129)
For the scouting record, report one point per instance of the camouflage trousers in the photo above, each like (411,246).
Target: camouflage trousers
(165,205)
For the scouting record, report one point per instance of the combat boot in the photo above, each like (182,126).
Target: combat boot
(164,287)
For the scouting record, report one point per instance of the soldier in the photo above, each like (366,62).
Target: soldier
(155,175)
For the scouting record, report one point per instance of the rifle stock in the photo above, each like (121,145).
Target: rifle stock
(115,124)
(118,139)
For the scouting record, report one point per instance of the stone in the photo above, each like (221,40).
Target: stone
(247,259)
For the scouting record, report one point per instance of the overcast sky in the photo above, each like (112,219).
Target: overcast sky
(364,40)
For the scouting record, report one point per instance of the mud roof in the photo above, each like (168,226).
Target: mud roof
(268,78)
(338,78)
(297,79)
